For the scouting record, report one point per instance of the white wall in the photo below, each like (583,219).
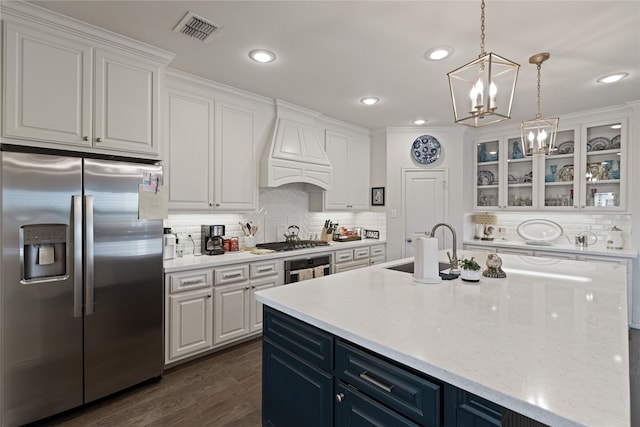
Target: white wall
(398,158)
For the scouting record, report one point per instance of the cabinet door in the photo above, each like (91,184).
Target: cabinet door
(236,184)
(48,87)
(604,160)
(463,409)
(189,323)
(231,318)
(189,133)
(126,104)
(487,195)
(294,392)
(337,148)
(558,172)
(358,174)
(255,307)
(520,177)
(354,409)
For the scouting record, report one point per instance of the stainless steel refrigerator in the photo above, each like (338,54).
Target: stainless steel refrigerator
(82,287)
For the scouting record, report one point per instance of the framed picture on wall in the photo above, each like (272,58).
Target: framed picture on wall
(377,196)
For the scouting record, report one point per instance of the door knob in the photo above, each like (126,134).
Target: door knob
(339,397)
(409,240)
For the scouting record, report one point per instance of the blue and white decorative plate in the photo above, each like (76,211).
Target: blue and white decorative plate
(425,149)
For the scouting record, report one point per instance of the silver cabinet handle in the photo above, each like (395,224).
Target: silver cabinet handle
(209,296)
(264,269)
(340,397)
(231,275)
(365,376)
(98,139)
(88,238)
(85,138)
(192,282)
(77,256)
(409,240)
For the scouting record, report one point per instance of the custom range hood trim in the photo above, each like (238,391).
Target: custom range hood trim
(296,152)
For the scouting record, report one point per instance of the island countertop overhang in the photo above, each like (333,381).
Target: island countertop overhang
(549,341)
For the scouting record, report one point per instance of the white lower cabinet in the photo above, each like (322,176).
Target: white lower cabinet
(189,319)
(237,314)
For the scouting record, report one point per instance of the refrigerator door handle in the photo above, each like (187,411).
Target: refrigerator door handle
(88,270)
(77,255)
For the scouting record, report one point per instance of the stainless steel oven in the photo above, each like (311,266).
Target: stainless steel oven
(299,269)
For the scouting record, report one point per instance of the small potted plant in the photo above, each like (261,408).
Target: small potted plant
(471,271)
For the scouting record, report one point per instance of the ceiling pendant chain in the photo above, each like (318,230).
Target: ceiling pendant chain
(481,30)
(538,115)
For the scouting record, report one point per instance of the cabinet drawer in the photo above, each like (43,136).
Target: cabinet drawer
(264,269)
(411,395)
(306,341)
(355,409)
(343,256)
(232,274)
(361,253)
(377,260)
(188,280)
(378,250)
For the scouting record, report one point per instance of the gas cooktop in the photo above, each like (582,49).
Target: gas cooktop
(291,246)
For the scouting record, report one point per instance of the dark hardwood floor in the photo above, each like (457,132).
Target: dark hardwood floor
(223,389)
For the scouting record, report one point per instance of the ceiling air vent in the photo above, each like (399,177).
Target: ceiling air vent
(197,27)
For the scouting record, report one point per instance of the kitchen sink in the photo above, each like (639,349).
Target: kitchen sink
(408,267)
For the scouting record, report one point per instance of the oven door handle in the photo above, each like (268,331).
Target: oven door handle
(325,266)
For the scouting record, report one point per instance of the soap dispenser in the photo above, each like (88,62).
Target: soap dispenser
(615,240)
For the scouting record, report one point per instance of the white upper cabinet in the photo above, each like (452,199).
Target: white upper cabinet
(350,159)
(212,160)
(68,88)
(189,139)
(48,87)
(235,159)
(587,171)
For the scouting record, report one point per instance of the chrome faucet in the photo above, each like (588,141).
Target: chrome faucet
(454,261)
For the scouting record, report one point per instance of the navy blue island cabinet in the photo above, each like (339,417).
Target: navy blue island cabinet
(312,378)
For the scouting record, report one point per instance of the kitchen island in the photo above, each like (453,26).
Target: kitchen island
(549,342)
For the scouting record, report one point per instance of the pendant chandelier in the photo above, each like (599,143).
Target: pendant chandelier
(539,135)
(482,90)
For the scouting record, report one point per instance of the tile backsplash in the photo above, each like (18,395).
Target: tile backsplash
(572,224)
(279,208)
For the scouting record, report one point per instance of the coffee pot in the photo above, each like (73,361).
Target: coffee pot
(615,240)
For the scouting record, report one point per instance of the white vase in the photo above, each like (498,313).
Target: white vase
(470,275)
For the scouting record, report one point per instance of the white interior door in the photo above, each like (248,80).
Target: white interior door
(424,204)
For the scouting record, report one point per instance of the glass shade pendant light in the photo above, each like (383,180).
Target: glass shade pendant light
(539,135)
(482,90)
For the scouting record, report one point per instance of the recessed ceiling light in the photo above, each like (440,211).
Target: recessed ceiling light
(616,126)
(262,55)
(612,78)
(370,100)
(439,53)
(419,122)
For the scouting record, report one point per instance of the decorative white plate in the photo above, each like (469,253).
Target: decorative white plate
(425,149)
(615,142)
(565,147)
(540,230)
(485,177)
(600,143)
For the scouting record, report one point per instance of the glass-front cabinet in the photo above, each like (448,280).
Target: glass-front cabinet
(487,189)
(587,170)
(603,158)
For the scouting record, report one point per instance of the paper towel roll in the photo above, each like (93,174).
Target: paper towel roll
(425,264)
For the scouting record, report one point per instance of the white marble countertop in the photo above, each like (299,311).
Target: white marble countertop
(561,245)
(192,262)
(550,341)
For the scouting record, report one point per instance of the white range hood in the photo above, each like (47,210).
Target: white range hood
(296,152)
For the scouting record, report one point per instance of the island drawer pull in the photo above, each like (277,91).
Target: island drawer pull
(365,376)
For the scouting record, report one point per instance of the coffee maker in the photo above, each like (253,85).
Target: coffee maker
(212,242)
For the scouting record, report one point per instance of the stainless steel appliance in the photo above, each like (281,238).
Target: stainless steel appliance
(212,242)
(291,245)
(82,289)
(297,270)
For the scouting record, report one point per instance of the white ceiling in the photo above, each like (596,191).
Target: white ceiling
(332,53)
